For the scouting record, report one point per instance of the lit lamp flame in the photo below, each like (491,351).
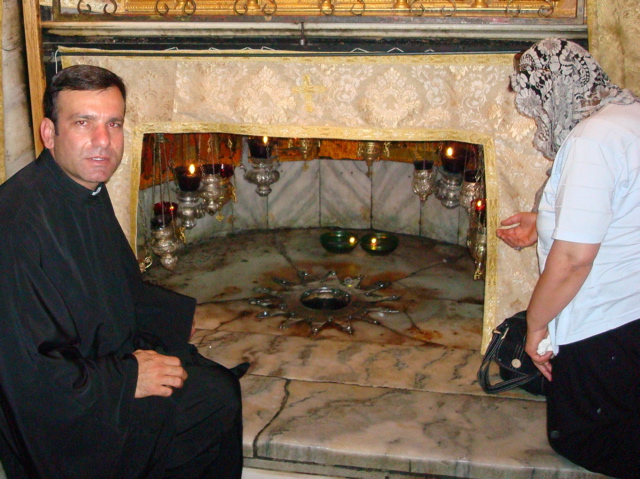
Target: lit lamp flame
(449,152)
(352,239)
(480,205)
(192,169)
(265,139)
(374,241)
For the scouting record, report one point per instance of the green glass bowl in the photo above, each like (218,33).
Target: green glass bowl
(339,241)
(379,243)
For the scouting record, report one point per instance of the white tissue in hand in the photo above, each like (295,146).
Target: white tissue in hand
(545,346)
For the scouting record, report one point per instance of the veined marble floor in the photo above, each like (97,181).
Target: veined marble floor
(396,400)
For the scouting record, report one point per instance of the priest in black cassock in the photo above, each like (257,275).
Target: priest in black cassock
(97,376)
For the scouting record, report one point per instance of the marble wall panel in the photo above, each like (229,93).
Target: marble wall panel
(345,194)
(330,193)
(395,207)
(250,212)
(438,222)
(463,226)
(295,200)
(219,224)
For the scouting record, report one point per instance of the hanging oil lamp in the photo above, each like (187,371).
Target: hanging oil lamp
(189,180)
(216,190)
(424,179)
(370,152)
(471,190)
(164,241)
(264,164)
(477,237)
(452,156)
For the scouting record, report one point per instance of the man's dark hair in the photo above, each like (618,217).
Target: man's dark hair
(81,78)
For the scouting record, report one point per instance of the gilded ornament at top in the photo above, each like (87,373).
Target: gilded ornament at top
(354,8)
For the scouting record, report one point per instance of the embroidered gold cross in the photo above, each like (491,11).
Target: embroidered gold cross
(307,90)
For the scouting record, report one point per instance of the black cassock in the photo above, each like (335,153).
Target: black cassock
(73,309)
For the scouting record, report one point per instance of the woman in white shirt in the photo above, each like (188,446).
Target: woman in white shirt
(587,228)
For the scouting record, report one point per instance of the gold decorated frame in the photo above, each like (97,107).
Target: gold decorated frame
(560,10)
(178,93)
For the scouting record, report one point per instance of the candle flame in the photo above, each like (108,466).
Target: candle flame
(192,169)
(265,139)
(449,151)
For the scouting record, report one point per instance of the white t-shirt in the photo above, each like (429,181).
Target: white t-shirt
(593,196)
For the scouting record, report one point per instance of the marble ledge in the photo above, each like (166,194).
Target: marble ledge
(371,432)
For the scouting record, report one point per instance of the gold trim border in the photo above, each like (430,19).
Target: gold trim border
(285,56)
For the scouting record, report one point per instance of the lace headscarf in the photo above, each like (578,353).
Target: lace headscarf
(558,84)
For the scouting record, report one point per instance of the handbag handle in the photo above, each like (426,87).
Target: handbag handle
(483,372)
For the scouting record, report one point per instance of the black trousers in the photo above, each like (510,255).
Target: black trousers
(195,433)
(593,415)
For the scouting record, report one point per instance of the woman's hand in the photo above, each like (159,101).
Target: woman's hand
(523,234)
(531,348)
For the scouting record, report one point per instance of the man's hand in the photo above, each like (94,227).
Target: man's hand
(158,374)
(523,234)
(531,348)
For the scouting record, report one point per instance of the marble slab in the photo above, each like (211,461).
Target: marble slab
(412,432)
(393,400)
(262,398)
(420,367)
(252,473)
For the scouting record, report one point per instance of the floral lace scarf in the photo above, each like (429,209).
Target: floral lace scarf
(558,84)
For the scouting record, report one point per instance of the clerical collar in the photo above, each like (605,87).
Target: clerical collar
(63,182)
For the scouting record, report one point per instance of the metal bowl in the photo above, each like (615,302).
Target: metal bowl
(339,241)
(379,243)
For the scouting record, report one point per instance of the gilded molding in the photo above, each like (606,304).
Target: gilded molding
(327,8)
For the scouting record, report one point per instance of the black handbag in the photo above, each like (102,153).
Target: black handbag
(516,367)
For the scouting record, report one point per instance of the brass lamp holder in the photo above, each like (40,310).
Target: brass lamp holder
(263,173)
(164,243)
(216,192)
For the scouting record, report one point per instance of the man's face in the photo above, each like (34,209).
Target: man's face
(90,139)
